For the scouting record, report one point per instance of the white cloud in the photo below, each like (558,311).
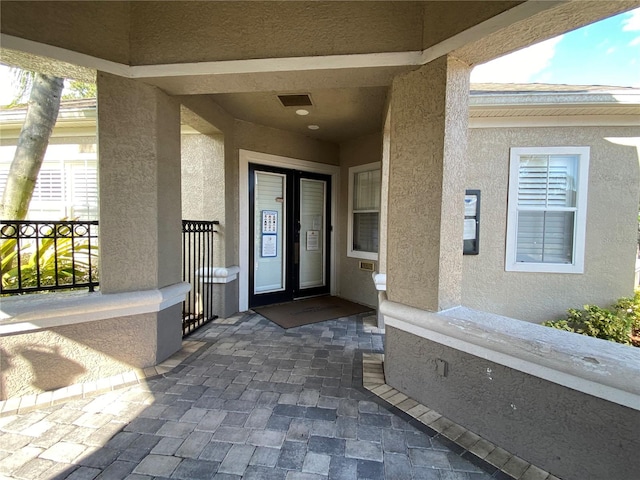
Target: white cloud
(634,42)
(517,67)
(632,24)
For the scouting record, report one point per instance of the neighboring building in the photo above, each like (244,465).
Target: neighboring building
(383,82)
(67,185)
(565,157)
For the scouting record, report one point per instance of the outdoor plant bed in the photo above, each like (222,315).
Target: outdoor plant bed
(620,323)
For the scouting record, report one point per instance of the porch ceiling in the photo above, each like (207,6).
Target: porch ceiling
(347,102)
(241,54)
(340,113)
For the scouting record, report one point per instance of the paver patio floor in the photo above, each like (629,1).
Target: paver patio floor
(254,401)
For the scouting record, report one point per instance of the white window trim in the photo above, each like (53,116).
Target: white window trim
(581,214)
(350,251)
(245,158)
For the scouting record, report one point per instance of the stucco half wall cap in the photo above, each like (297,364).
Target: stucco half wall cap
(35,312)
(218,274)
(597,367)
(380,281)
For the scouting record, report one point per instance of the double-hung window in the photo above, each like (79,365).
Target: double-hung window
(546,221)
(364,211)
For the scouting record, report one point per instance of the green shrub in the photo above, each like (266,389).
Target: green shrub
(620,323)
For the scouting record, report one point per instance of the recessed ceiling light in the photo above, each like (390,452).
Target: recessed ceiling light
(302,112)
(313,127)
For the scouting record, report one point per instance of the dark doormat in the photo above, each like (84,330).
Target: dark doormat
(310,310)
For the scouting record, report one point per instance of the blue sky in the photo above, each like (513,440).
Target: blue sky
(603,53)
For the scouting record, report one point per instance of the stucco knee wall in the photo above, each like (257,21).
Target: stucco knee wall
(58,357)
(568,433)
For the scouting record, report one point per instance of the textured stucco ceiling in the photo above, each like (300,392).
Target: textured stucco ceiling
(340,113)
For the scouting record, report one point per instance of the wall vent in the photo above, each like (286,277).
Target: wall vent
(295,100)
(367,266)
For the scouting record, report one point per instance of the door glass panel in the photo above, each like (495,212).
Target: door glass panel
(269,221)
(312,233)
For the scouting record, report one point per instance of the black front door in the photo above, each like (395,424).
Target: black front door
(289,231)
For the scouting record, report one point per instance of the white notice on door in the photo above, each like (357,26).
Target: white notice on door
(313,239)
(269,246)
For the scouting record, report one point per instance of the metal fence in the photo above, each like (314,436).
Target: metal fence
(197,263)
(39,256)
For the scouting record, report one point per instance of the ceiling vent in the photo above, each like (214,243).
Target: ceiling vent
(295,100)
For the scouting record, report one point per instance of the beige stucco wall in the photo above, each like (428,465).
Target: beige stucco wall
(210,112)
(258,138)
(427,156)
(611,225)
(62,356)
(354,284)
(202,176)
(139,177)
(203,185)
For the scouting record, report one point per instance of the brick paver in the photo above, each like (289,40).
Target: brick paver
(254,401)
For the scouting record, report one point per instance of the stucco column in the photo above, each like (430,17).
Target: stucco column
(139,171)
(427,156)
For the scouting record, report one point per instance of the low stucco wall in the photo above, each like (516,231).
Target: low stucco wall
(567,403)
(49,359)
(612,223)
(52,341)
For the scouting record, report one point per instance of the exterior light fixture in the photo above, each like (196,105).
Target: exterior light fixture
(302,112)
(313,127)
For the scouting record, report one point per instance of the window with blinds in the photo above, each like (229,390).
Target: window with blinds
(547,209)
(67,183)
(364,211)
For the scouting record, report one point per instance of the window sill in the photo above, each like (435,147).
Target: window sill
(362,255)
(39,311)
(596,367)
(544,268)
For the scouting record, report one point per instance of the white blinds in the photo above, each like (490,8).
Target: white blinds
(546,208)
(366,191)
(547,181)
(312,212)
(67,184)
(49,186)
(366,207)
(269,265)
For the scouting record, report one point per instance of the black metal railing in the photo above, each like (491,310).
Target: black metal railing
(197,265)
(38,256)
